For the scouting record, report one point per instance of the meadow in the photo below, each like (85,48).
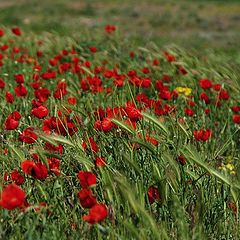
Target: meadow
(119,121)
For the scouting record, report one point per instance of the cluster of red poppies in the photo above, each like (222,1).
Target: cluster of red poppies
(98,211)
(47,79)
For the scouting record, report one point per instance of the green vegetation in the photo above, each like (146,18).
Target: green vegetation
(141,120)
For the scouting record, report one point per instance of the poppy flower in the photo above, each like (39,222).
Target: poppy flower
(236,119)
(153,194)
(54,149)
(100,161)
(12,121)
(110,28)
(96,214)
(90,144)
(87,179)
(235,109)
(28,136)
(217,87)
(2,83)
(4,47)
(182,70)
(155,62)
(207,111)
(48,75)
(40,112)
(169,57)
(205,83)
(165,95)
(204,97)
(12,197)
(105,125)
(189,112)
(145,70)
(19,78)
(86,198)
(17,31)
(54,165)
(202,135)
(72,100)
(17,177)
(166,78)
(92,49)
(224,95)
(133,113)
(36,170)
(42,94)
(1,32)
(20,90)
(151,140)
(182,160)
(64,126)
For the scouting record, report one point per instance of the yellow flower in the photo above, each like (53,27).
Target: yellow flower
(179,89)
(188,91)
(184,90)
(230,166)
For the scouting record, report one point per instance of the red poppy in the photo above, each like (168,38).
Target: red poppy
(48,75)
(165,95)
(155,62)
(182,70)
(17,31)
(110,28)
(54,165)
(202,135)
(96,214)
(217,87)
(20,90)
(151,140)
(105,125)
(189,112)
(42,94)
(207,111)
(204,97)
(145,70)
(224,95)
(166,78)
(236,119)
(36,170)
(19,78)
(205,83)
(72,100)
(133,113)
(90,144)
(54,149)
(28,136)
(87,179)
(12,120)
(93,49)
(235,109)
(153,194)
(12,197)
(182,160)
(86,198)
(17,177)
(100,161)
(2,83)
(4,47)
(1,32)
(169,57)
(40,112)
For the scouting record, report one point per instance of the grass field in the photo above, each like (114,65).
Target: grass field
(119,120)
